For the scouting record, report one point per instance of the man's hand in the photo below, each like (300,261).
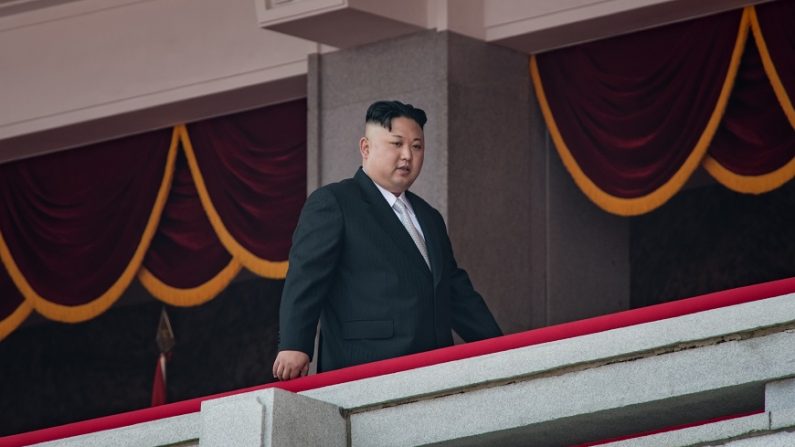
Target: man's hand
(290,364)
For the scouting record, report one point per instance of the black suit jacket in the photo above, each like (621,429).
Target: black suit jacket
(354,266)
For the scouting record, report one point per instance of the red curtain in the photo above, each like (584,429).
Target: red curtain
(185,252)
(632,108)
(255,180)
(775,28)
(77,226)
(74,222)
(754,137)
(633,116)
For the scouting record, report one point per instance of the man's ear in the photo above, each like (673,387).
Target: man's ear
(364,147)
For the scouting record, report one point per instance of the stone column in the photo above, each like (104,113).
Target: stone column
(537,250)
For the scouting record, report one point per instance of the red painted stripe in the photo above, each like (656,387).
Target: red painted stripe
(672,428)
(537,336)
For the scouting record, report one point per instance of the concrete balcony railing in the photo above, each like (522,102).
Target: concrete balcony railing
(720,376)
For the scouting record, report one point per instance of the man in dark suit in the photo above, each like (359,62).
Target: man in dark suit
(374,263)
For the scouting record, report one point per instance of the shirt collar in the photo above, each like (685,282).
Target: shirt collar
(390,198)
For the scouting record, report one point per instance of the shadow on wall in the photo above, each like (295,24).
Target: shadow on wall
(710,238)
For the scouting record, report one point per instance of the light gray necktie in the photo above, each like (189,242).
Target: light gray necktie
(403,212)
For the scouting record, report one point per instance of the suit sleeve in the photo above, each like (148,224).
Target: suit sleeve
(313,260)
(471,317)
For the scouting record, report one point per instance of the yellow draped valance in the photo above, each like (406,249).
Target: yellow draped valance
(634,149)
(69,221)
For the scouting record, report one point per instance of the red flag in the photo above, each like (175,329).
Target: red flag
(165,341)
(159,384)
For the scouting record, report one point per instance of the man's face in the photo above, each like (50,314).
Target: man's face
(393,158)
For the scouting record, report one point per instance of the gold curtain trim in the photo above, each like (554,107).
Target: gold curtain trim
(83,312)
(758,184)
(262,267)
(11,322)
(770,67)
(644,204)
(193,296)
(750,184)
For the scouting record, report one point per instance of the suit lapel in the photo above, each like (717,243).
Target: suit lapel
(386,217)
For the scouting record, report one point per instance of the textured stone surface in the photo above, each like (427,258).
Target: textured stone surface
(595,387)
(238,420)
(700,435)
(271,417)
(751,430)
(538,359)
(780,402)
(411,69)
(591,404)
(179,429)
(489,201)
(299,421)
(780,439)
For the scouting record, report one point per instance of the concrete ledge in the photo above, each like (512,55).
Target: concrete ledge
(779,439)
(780,401)
(648,339)
(731,360)
(271,417)
(591,404)
(178,429)
(733,428)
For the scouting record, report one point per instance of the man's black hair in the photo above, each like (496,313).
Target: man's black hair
(382,113)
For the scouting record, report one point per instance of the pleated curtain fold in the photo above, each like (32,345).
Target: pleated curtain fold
(633,116)
(76,227)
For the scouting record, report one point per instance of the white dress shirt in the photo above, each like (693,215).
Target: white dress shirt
(391,199)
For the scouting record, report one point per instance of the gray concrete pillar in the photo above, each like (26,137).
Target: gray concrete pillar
(489,194)
(535,247)
(780,403)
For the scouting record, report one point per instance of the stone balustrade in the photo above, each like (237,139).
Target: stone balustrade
(725,375)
